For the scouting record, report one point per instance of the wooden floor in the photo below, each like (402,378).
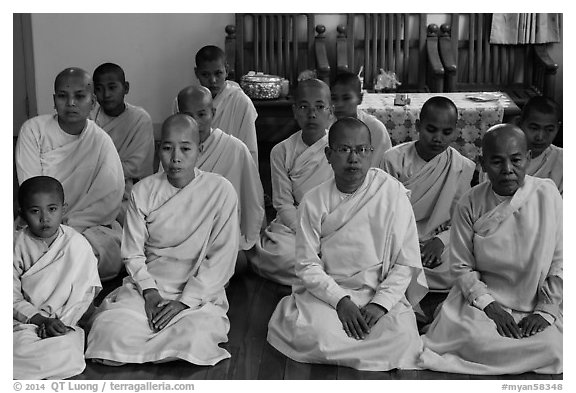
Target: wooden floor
(252,300)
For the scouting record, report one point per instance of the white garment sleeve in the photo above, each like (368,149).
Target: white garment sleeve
(27,154)
(134,236)
(141,148)
(462,261)
(551,293)
(218,265)
(23,310)
(282,197)
(309,266)
(394,286)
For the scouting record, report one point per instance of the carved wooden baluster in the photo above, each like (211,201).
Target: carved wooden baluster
(230,50)
(342,52)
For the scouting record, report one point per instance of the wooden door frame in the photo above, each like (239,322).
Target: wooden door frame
(30,76)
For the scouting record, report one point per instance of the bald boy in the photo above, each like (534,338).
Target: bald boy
(226,155)
(297,164)
(129,126)
(437,175)
(234,111)
(74,150)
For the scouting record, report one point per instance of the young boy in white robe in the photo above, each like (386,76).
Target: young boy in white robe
(73,149)
(504,312)
(346,93)
(226,155)
(55,279)
(179,245)
(129,126)
(359,266)
(437,175)
(540,121)
(297,164)
(235,112)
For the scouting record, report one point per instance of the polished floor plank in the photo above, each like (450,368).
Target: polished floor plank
(323,371)
(296,371)
(428,374)
(273,364)
(219,371)
(345,373)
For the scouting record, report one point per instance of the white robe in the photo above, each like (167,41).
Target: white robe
(59,281)
(296,168)
(435,187)
(364,246)
(133,135)
(508,250)
(549,165)
(378,134)
(90,171)
(228,156)
(183,242)
(235,115)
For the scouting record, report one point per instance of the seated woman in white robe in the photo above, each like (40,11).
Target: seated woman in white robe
(346,96)
(179,245)
(226,155)
(504,312)
(437,175)
(55,279)
(129,126)
(540,121)
(359,265)
(234,111)
(297,164)
(73,149)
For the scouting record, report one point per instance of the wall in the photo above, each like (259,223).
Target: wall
(156,51)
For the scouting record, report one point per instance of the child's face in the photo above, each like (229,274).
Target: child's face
(110,92)
(540,130)
(212,75)
(436,131)
(202,111)
(312,111)
(178,154)
(73,100)
(43,213)
(345,100)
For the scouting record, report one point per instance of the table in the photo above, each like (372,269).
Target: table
(474,118)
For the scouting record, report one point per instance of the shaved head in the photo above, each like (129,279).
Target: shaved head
(192,97)
(345,125)
(181,121)
(110,68)
(39,184)
(312,84)
(438,103)
(209,53)
(74,73)
(349,153)
(498,134)
(505,158)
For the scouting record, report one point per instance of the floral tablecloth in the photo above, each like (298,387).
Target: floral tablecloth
(474,118)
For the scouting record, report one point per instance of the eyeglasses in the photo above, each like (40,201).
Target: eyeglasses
(316,108)
(362,151)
